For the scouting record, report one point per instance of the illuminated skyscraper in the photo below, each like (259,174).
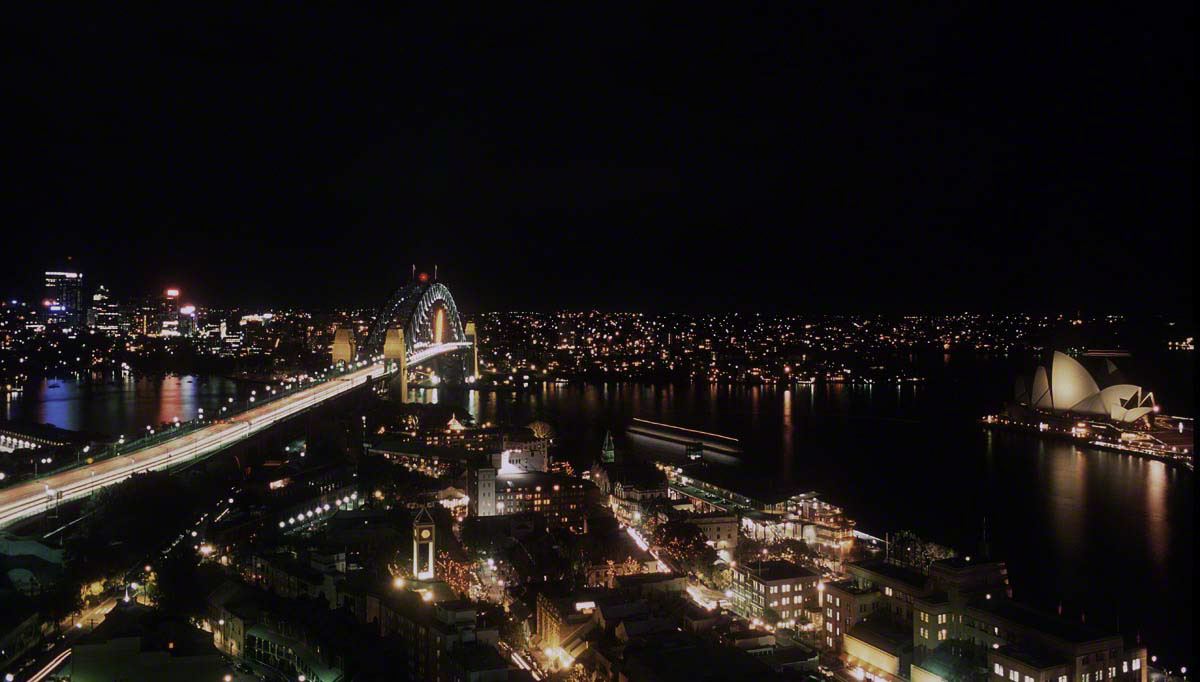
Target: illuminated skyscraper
(187,320)
(168,313)
(104,314)
(64,303)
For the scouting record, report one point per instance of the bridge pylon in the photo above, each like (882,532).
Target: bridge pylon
(345,348)
(395,352)
(469,332)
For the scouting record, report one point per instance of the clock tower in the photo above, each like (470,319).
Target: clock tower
(423,545)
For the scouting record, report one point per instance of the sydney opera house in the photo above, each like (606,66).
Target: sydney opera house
(1065,386)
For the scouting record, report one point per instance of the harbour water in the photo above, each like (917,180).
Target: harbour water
(1104,535)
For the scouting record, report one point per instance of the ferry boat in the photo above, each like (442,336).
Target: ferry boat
(708,442)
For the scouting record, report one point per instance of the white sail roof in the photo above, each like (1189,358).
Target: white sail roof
(1069,387)
(1070,383)
(1040,396)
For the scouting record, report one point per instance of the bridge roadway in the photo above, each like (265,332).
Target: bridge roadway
(424,352)
(35,497)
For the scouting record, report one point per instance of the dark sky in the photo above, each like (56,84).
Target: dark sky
(775,160)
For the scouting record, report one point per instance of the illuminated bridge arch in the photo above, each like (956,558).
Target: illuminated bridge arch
(415,308)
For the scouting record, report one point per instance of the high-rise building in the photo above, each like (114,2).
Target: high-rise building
(168,313)
(105,313)
(64,303)
(143,315)
(187,320)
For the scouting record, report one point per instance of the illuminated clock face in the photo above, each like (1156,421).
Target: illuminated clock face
(424,533)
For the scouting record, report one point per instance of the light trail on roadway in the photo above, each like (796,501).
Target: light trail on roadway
(51,666)
(36,497)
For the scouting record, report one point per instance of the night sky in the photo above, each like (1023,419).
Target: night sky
(784,160)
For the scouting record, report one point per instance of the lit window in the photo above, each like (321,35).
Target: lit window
(1137,664)
(998,669)
(1014,676)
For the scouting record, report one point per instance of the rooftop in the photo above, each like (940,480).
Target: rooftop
(850,587)
(536,478)
(681,657)
(881,634)
(733,479)
(1041,621)
(915,580)
(777,569)
(477,657)
(1032,658)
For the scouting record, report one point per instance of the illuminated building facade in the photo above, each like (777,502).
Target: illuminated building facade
(719,529)
(773,592)
(168,313)
(104,314)
(64,302)
(558,498)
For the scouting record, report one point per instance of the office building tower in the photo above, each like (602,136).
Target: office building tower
(105,313)
(64,303)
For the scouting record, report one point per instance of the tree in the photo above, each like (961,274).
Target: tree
(791,550)
(182,586)
(770,616)
(541,430)
(748,550)
(687,546)
(60,600)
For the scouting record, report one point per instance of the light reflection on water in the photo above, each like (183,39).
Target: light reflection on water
(121,404)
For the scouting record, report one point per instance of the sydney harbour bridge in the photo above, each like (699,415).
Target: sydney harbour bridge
(419,327)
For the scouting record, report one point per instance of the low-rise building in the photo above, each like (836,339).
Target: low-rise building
(843,604)
(774,592)
(960,614)
(559,498)
(720,529)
